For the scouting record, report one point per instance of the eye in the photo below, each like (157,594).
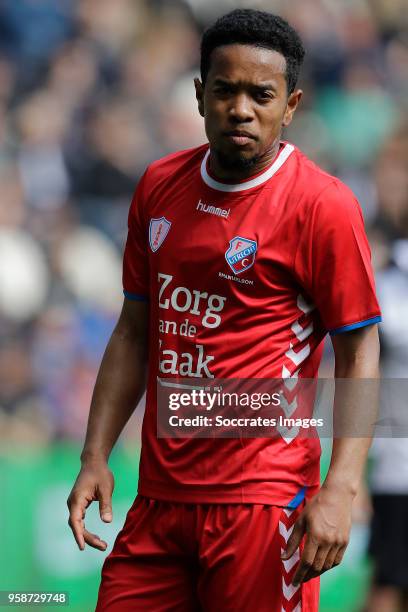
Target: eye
(222,90)
(263,95)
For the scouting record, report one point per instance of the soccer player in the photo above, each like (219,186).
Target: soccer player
(241,256)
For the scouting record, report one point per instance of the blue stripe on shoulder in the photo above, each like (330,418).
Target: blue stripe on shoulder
(297,500)
(135,296)
(346,328)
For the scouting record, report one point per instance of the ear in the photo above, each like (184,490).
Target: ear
(199,89)
(291,106)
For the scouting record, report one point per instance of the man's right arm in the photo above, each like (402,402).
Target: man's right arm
(119,386)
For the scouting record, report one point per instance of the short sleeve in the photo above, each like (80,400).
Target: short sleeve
(333,262)
(135,261)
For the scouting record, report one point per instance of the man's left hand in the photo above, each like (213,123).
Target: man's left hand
(326,521)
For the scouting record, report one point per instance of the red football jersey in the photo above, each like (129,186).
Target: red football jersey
(244,281)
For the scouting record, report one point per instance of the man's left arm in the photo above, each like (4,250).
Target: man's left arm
(326,519)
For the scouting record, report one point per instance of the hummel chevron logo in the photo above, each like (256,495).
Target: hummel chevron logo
(297,609)
(288,435)
(291,594)
(290,563)
(289,590)
(289,380)
(287,408)
(285,533)
(300,332)
(303,305)
(298,358)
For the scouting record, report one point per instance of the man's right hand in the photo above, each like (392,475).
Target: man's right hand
(94,483)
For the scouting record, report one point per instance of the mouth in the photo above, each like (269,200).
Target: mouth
(239,137)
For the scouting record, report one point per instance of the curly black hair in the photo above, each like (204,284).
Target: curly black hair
(258,28)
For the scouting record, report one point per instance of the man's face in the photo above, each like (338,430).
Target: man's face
(245,103)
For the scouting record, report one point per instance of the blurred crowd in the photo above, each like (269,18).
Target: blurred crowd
(91,91)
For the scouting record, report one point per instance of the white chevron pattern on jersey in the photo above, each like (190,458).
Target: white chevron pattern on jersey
(291,595)
(304,306)
(284,531)
(287,408)
(289,563)
(300,332)
(289,590)
(298,358)
(297,609)
(288,434)
(290,379)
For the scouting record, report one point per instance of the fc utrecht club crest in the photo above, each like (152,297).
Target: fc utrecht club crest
(241,254)
(158,230)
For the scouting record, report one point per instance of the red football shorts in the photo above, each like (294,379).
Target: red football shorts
(176,557)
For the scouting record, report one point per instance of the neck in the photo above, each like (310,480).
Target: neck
(240,170)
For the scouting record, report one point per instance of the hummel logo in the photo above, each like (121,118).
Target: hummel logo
(213,210)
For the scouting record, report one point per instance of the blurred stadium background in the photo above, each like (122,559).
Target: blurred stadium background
(90,92)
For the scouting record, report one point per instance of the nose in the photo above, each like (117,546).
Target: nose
(241,109)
